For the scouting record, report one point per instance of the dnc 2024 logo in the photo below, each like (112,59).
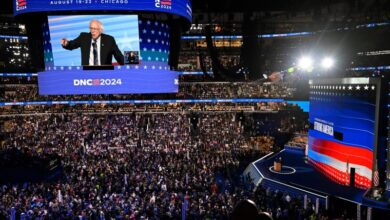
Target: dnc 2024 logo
(166,4)
(21,5)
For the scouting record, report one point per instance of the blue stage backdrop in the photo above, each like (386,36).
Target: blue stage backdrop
(342,130)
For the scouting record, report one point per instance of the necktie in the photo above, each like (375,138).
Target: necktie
(95,54)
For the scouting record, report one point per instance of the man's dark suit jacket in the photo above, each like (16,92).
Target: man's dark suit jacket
(108,48)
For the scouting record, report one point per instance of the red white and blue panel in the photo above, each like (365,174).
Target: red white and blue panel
(342,132)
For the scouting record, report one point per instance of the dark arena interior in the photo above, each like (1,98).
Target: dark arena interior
(194,109)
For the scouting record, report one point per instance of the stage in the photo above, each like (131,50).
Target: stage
(300,175)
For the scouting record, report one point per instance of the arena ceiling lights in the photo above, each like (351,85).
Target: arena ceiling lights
(307,64)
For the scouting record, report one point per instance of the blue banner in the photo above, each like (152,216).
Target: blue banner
(177,7)
(126,81)
(131,101)
(18,74)
(13,37)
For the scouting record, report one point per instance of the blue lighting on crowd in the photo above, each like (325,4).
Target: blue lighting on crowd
(14,37)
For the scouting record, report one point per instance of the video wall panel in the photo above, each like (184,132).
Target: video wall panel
(342,130)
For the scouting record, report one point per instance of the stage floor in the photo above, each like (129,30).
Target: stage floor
(299,173)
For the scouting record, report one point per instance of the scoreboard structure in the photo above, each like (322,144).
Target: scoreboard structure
(348,130)
(146,32)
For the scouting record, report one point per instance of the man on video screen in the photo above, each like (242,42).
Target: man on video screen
(96,48)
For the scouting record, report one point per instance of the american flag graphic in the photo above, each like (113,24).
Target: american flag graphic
(376,175)
(376,178)
(21,3)
(166,2)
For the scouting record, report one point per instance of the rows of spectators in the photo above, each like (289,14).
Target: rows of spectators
(235,90)
(19,80)
(266,107)
(264,143)
(29,92)
(139,166)
(298,141)
(192,63)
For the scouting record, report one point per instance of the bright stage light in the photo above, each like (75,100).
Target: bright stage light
(327,63)
(305,63)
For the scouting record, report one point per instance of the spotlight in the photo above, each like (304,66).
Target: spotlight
(327,63)
(305,63)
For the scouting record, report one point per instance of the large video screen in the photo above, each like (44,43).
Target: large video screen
(342,131)
(70,68)
(122,28)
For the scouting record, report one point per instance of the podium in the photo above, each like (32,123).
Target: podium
(277,166)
